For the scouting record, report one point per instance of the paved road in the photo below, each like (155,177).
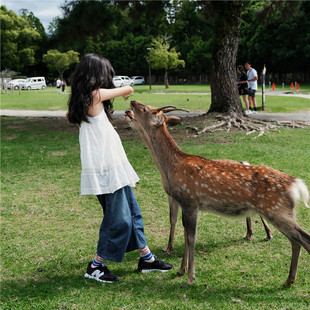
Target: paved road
(61,114)
(120,114)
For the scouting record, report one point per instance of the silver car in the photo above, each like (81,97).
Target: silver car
(122,80)
(14,83)
(138,80)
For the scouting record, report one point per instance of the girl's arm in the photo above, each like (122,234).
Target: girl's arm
(103,94)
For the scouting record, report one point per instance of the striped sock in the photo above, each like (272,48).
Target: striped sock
(98,261)
(146,255)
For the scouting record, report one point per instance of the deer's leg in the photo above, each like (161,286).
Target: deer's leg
(267,229)
(190,223)
(185,252)
(294,264)
(249,231)
(174,208)
(298,237)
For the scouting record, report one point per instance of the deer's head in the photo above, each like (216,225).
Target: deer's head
(144,118)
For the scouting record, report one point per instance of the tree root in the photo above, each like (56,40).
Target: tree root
(250,125)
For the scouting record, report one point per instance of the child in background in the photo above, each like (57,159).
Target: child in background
(106,171)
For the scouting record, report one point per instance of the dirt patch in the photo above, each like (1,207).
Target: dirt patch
(10,137)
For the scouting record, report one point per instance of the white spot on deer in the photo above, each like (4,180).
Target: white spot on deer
(196,183)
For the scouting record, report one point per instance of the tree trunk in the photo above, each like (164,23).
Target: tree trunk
(166,79)
(224,92)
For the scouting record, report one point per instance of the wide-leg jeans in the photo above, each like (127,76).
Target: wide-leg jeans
(122,228)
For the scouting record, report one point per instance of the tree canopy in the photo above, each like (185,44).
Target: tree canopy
(19,40)
(123,30)
(59,62)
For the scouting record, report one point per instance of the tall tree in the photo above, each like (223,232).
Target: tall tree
(224,92)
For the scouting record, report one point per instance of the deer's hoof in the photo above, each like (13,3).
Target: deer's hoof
(167,251)
(268,238)
(289,282)
(181,272)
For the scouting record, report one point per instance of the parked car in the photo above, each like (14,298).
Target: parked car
(138,80)
(122,80)
(14,83)
(34,83)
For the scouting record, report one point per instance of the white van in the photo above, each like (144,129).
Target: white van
(34,83)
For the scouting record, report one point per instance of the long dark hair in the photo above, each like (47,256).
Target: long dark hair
(241,69)
(91,73)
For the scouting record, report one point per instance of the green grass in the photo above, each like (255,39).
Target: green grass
(49,232)
(196,98)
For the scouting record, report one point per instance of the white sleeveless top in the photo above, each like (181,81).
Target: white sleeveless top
(105,166)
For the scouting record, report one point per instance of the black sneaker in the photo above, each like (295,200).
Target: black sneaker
(101,274)
(157,265)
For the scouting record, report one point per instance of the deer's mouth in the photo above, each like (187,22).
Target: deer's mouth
(129,115)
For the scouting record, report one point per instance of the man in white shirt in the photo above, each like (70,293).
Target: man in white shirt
(252,82)
(58,84)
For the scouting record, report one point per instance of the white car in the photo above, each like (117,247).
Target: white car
(34,83)
(122,80)
(14,83)
(138,80)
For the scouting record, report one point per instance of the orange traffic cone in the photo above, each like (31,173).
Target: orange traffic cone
(292,85)
(273,86)
(297,88)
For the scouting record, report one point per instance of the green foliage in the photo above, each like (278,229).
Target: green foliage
(57,61)
(278,38)
(275,33)
(163,57)
(19,40)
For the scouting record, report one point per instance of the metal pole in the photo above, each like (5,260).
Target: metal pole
(263,88)
(150,74)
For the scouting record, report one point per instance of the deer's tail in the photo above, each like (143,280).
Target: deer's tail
(299,191)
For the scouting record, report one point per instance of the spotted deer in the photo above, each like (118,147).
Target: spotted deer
(222,187)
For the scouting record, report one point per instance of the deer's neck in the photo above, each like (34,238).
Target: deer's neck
(164,150)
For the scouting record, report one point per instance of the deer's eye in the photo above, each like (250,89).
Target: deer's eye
(144,109)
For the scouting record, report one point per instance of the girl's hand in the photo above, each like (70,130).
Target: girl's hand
(127,97)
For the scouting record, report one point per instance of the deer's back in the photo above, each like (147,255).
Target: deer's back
(228,187)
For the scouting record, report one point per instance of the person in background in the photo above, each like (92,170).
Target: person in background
(58,85)
(63,85)
(242,81)
(106,171)
(252,82)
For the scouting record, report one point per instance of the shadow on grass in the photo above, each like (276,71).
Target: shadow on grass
(166,287)
(54,286)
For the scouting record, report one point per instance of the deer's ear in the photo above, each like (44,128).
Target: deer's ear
(173,120)
(158,120)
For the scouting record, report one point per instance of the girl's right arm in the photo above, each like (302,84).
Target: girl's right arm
(103,94)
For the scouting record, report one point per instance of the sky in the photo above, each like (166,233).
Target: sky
(45,10)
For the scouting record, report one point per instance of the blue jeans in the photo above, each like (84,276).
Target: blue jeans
(122,228)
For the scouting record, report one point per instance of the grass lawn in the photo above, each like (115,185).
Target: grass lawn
(49,232)
(196,98)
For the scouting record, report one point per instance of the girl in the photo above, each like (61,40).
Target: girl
(243,87)
(106,171)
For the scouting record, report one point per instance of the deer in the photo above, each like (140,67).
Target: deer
(222,187)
